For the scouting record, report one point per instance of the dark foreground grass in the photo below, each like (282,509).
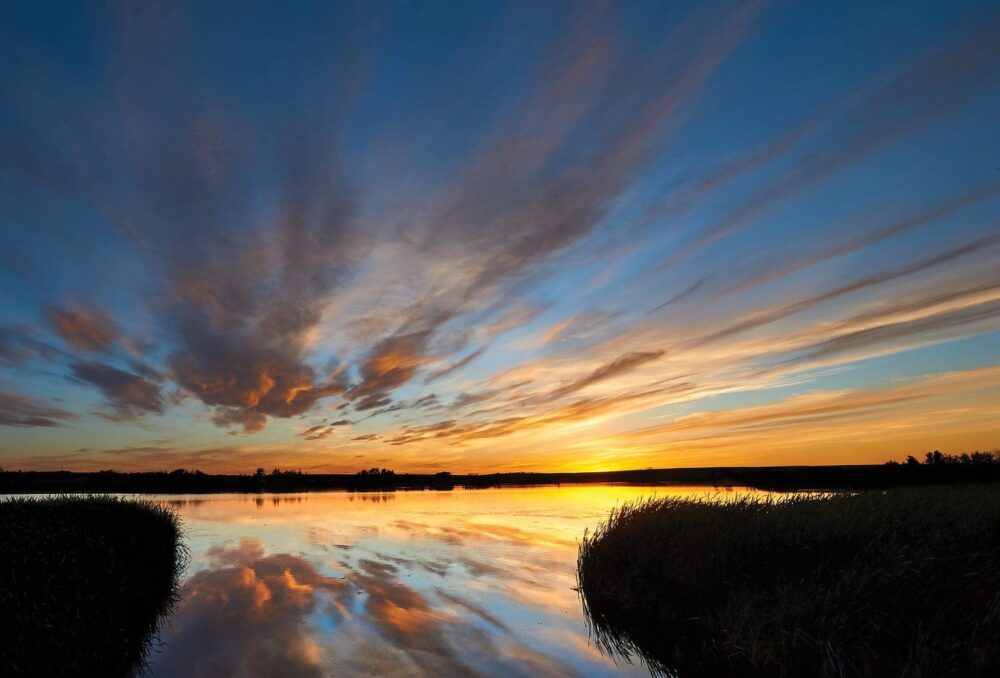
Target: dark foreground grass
(82,583)
(897,583)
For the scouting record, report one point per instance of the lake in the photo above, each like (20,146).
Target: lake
(460,582)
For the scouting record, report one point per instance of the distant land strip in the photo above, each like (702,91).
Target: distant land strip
(980,467)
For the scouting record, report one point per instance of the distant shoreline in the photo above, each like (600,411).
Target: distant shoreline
(780,478)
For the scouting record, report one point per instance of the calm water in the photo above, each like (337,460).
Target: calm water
(388,584)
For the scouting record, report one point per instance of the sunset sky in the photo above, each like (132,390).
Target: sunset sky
(480,236)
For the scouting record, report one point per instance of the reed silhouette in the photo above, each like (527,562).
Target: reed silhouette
(904,582)
(83,583)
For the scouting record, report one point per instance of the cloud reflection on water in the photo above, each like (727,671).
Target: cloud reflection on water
(244,616)
(430,583)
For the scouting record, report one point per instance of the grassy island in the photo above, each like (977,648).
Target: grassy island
(82,583)
(902,582)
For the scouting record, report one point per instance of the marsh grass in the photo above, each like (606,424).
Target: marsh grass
(83,582)
(898,583)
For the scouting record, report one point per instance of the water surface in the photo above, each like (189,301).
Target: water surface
(463,582)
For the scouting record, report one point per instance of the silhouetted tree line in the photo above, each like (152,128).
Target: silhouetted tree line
(938,458)
(376,473)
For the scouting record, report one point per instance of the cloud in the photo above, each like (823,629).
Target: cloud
(137,449)
(321,431)
(532,191)
(758,320)
(282,264)
(20,343)
(581,326)
(130,395)
(620,365)
(835,411)
(87,329)
(392,363)
(248,223)
(950,322)
(21,411)
(776,270)
(248,363)
(249,420)
(466,399)
(453,367)
(576,411)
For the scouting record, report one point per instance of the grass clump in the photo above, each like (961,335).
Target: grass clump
(897,583)
(83,581)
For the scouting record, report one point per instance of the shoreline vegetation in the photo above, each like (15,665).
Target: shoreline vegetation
(935,469)
(83,583)
(904,582)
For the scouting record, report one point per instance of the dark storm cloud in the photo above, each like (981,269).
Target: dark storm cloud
(21,411)
(129,394)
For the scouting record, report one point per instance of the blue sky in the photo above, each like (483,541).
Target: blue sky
(477,236)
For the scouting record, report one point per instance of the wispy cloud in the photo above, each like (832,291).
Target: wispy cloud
(128,394)
(87,329)
(922,92)
(453,367)
(22,411)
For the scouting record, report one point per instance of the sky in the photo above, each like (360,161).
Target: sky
(481,236)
